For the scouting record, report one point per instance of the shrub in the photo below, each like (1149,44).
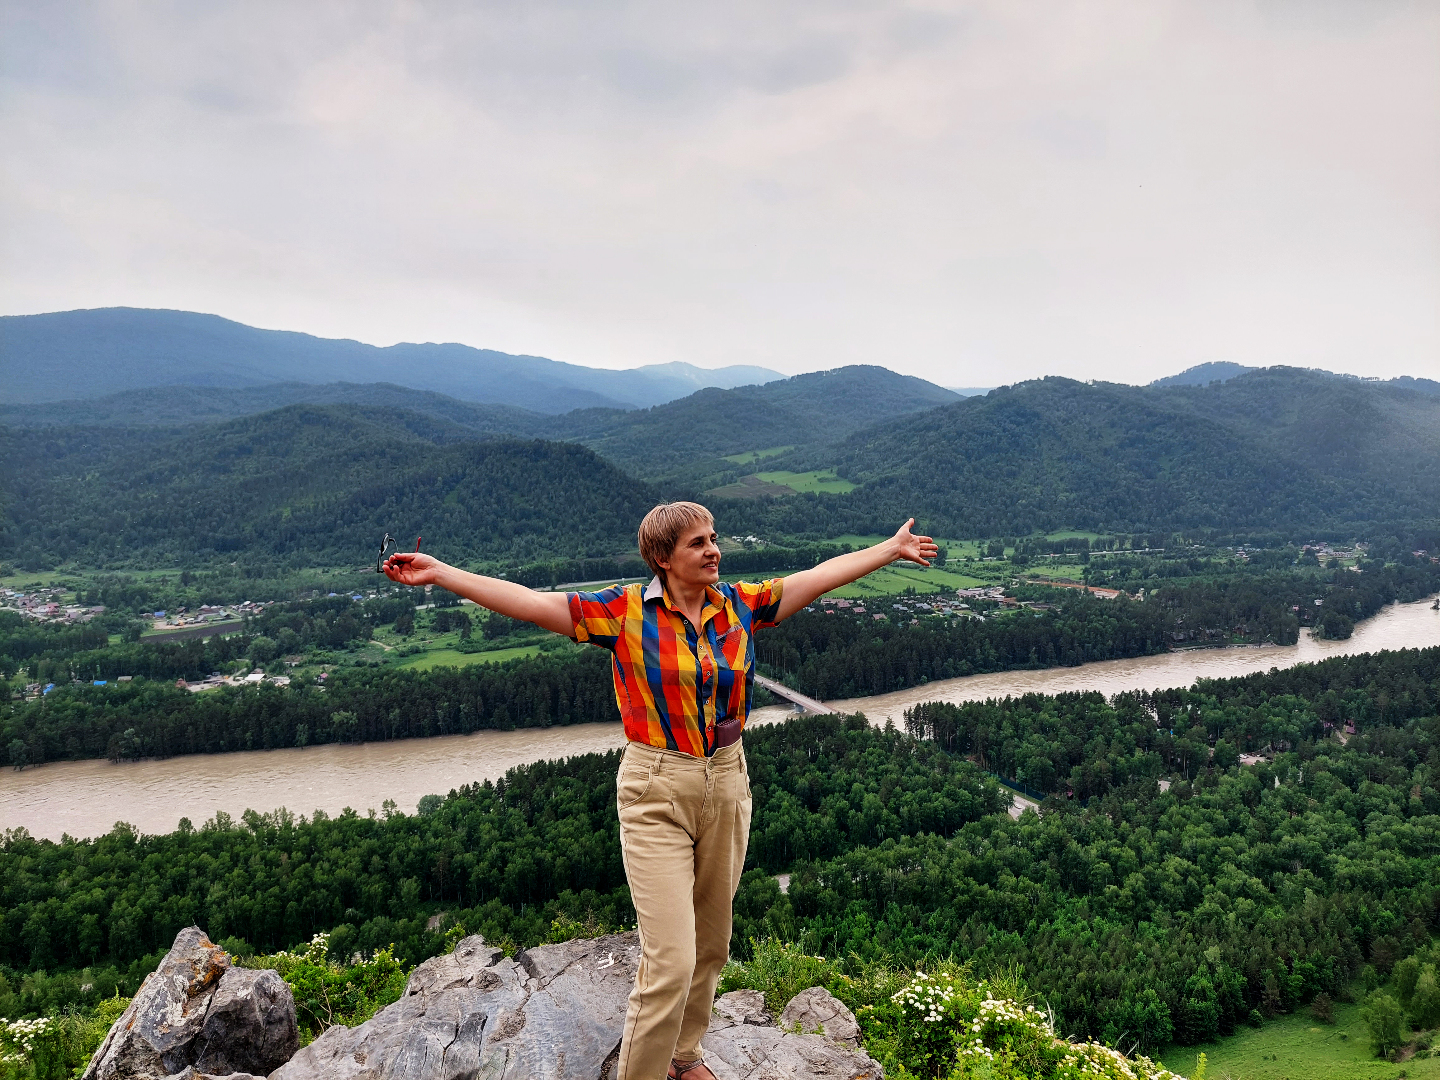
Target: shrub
(56,1046)
(327,993)
(943,1026)
(936,1024)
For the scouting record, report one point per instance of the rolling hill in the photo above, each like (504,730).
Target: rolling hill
(689,438)
(94,353)
(307,485)
(1276,448)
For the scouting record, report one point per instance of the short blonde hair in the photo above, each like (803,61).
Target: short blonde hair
(661,529)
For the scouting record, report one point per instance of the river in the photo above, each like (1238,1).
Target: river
(85,798)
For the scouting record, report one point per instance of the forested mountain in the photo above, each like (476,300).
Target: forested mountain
(68,354)
(1279,447)
(811,410)
(311,485)
(1272,449)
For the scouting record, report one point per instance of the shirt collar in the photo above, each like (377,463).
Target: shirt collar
(656,591)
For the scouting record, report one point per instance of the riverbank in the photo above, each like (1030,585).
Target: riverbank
(86,798)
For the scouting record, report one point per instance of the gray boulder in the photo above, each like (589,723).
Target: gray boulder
(744,1049)
(551,1012)
(555,1012)
(196,1010)
(743,1007)
(817,1009)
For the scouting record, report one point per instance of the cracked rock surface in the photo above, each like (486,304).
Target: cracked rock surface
(550,1013)
(743,1044)
(555,1012)
(817,1009)
(195,1010)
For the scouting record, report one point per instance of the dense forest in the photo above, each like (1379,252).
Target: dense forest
(1237,894)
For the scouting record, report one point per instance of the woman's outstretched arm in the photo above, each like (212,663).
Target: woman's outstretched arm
(547,610)
(803,587)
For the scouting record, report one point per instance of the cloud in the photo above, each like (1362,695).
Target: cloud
(973,193)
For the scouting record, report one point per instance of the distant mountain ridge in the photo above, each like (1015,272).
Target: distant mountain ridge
(97,352)
(1204,374)
(178,406)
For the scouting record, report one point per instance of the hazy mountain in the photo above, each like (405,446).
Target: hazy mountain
(172,406)
(1204,374)
(94,353)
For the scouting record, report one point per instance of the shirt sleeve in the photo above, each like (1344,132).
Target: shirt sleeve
(599,617)
(763,600)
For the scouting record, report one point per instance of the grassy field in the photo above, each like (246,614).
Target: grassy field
(453,658)
(758,455)
(818,480)
(894,580)
(1298,1047)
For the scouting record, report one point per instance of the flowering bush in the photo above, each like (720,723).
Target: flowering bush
(55,1046)
(21,1039)
(942,1027)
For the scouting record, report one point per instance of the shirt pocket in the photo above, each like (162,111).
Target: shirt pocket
(634,782)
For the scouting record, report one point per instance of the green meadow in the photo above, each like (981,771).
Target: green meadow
(815,481)
(1299,1047)
(757,455)
(454,658)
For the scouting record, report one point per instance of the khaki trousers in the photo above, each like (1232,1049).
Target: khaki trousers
(684,827)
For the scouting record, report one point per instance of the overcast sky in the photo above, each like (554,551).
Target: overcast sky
(975,193)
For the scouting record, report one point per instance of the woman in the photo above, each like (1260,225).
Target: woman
(684,665)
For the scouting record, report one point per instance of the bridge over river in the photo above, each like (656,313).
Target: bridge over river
(799,700)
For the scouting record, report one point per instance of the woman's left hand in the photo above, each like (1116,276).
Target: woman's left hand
(919,549)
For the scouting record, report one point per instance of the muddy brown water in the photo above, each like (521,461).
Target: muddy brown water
(86,798)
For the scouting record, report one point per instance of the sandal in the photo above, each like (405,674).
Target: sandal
(678,1070)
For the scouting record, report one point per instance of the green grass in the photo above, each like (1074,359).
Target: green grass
(454,658)
(894,580)
(1299,1047)
(818,480)
(757,455)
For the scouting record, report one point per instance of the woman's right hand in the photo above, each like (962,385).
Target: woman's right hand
(413,568)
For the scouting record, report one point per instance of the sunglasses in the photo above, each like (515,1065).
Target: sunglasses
(388,547)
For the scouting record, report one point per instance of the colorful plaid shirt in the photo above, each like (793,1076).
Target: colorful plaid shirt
(677,686)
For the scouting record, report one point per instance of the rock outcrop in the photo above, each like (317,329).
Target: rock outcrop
(819,1010)
(751,1050)
(196,1014)
(550,1013)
